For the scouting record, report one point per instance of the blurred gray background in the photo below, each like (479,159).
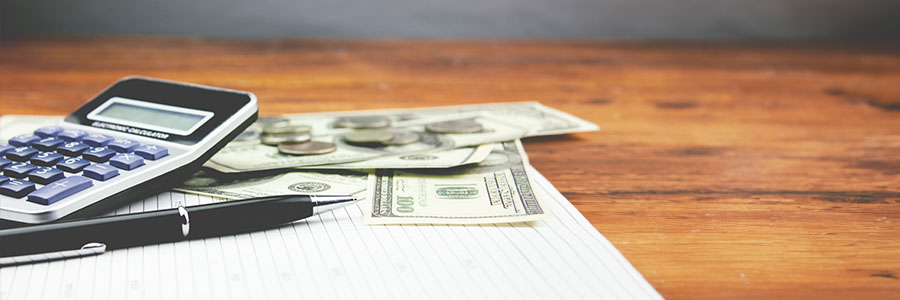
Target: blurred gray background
(620,19)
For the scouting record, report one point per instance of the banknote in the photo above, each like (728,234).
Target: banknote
(503,121)
(249,156)
(441,159)
(498,190)
(249,185)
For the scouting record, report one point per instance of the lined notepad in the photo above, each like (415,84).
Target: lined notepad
(335,256)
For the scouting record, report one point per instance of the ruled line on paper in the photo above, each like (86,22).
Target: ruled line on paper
(334,255)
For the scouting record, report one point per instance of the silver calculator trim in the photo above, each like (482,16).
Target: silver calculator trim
(21,210)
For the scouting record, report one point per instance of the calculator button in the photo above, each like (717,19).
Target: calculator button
(123,145)
(97,140)
(72,135)
(48,131)
(24,140)
(47,144)
(60,189)
(46,159)
(18,169)
(100,172)
(45,175)
(126,161)
(4,162)
(73,164)
(21,153)
(99,154)
(4,148)
(72,148)
(3,179)
(16,188)
(151,152)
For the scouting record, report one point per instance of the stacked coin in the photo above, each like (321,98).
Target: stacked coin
(306,148)
(455,126)
(274,135)
(378,138)
(290,138)
(369,131)
(363,122)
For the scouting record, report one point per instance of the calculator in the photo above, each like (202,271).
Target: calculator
(138,137)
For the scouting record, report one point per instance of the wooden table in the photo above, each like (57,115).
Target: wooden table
(720,170)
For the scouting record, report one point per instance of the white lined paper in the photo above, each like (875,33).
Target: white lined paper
(334,256)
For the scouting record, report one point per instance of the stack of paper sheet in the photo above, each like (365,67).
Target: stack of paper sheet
(335,256)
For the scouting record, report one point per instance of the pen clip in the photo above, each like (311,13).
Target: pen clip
(87,249)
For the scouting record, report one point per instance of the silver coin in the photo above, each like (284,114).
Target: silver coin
(275,139)
(272,121)
(282,129)
(455,126)
(361,122)
(403,138)
(306,148)
(368,136)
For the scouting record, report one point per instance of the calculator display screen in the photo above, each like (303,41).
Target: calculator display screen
(154,116)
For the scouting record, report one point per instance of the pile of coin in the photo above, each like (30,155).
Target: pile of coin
(455,126)
(290,138)
(368,131)
(378,138)
(282,133)
(306,148)
(363,122)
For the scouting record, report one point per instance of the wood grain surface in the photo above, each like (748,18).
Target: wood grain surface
(720,170)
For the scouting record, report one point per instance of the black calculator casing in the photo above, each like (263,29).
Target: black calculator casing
(234,111)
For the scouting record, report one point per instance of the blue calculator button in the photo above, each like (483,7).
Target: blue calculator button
(45,175)
(73,164)
(47,144)
(126,161)
(100,172)
(16,188)
(46,159)
(4,148)
(48,131)
(4,162)
(24,140)
(60,189)
(151,152)
(72,135)
(21,153)
(97,140)
(98,154)
(123,145)
(18,169)
(72,148)
(3,179)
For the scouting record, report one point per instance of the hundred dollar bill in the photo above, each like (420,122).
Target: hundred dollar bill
(499,190)
(255,156)
(441,159)
(243,186)
(503,121)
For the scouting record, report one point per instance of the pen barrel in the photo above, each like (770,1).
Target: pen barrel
(157,227)
(247,215)
(115,231)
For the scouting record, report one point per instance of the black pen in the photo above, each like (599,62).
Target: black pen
(94,236)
